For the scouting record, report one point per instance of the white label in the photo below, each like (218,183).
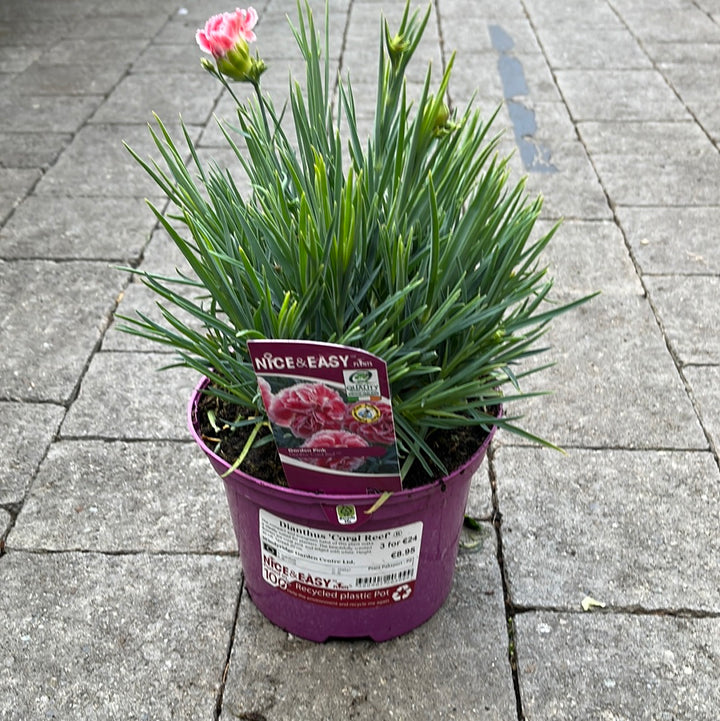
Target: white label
(346,515)
(362,384)
(337,568)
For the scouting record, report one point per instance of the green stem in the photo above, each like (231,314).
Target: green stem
(246,449)
(261,102)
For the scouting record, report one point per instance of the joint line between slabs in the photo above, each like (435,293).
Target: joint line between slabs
(509,608)
(228,655)
(632,610)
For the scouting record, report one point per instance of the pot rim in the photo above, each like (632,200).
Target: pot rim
(309,495)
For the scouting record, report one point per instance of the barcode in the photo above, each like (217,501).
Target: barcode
(382,580)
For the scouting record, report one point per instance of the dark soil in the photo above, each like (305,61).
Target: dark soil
(454,447)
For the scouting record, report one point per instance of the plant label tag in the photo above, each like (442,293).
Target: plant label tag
(331,415)
(339,568)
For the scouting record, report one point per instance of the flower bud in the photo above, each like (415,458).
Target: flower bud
(396,46)
(236,62)
(442,116)
(441,124)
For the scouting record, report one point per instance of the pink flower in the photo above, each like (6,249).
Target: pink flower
(336,439)
(266,393)
(222,32)
(372,421)
(307,408)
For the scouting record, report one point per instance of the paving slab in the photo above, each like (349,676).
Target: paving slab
(97,163)
(585,257)
(17,24)
(667,241)
(15,58)
(67,10)
(705,384)
(5,521)
(45,113)
(678,22)
(125,396)
(696,83)
(95,52)
(619,94)
(161,8)
(554,129)
(196,12)
(675,181)
(614,384)
(603,666)
(707,114)
(32,150)
(480,505)
(138,298)
(143,24)
(21,29)
(180,27)
(29,429)
(91,636)
(138,96)
(629,528)
(41,302)
(110,229)
(683,53)
(677,138)
(560,169)
(566,16)
(466,29)
(542,87)
(593,47)
(689,309)
(181,58)
(478,81)
(453,667)
(129,497)
(502,73)
(15,184)
(161,255)
(573,191)
(76,79)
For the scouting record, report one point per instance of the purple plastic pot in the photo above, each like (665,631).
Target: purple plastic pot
(322,566)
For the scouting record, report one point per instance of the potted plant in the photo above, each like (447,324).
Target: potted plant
(408,256)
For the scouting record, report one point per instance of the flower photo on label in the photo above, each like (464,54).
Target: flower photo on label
(313,423)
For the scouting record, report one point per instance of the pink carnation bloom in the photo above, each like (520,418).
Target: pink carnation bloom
(266,393)
(336,439)
(222,32)
(307,408)
(380,431)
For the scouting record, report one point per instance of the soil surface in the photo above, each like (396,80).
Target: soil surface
(228,440)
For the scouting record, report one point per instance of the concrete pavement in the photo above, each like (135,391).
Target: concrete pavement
(120,592)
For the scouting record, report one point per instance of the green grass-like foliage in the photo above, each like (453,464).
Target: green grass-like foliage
(410,244)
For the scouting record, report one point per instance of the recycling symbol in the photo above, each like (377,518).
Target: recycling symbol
(401,592)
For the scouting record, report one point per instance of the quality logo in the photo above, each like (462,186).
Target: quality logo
(366,413)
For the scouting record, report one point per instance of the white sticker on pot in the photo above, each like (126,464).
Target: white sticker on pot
(337,568)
